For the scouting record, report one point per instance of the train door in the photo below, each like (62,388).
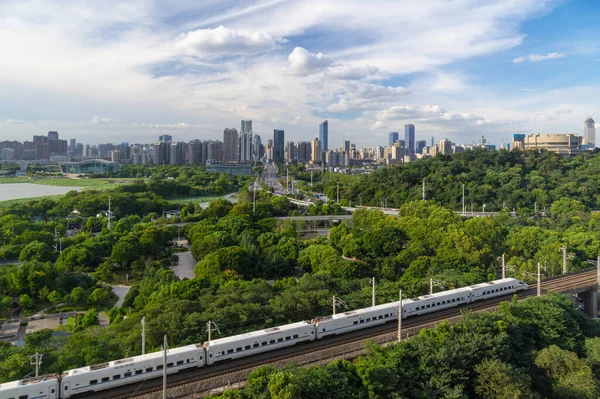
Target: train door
(66,390)
(53,391)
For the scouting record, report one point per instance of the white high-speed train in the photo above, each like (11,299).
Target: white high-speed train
(78,382)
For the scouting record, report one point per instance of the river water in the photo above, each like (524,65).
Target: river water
(28,190)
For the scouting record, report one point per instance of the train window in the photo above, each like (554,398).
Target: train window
(230,351)
(23,396)
(52,390)
(288,338)
(263,343)
(93,382)
(295,336)
(356,322)
(238,349)
(179,362)
(138,372)
(105,379)
(159,367)
(210,355)
(127,374)
(256,345)
(148,369)
(247,347)
(279,339)
(272,341)
(368,320)
(169,364)
(116,376)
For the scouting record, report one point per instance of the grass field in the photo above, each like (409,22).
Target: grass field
(7,203)
(201,199)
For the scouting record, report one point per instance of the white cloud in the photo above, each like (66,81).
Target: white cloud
(303,63)
(96,120)
(213,43)
(538,57)
(347,72)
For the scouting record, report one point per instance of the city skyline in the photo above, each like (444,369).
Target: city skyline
(147,68)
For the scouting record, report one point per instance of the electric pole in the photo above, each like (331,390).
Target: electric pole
(598,272)
(564,250)
(503,267)
(423,189)
(108,225)
(463,200)
(539,280)
(209,324)
(334,305)
(164,348)
(36,360)
(373,292)
(144,335)
(430,286)
(338,192)
(400,317)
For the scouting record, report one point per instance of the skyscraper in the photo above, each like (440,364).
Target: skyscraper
(445,147)
(420,145)
(324,135)
(409,137)
(259,150)
(246,125)
(393,138)
(230,145)
(246,148)
(589,132)
(346,145)
(278,145)
(165,138)
(316,156)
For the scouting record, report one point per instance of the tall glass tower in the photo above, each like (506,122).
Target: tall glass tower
(409,137)
(393,138)
(589,132)
(324,135)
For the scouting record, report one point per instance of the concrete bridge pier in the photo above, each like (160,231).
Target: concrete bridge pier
(590,302)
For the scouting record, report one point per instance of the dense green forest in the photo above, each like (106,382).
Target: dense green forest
(499,179)
(254,271)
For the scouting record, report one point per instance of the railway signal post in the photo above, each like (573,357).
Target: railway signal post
(373,292)
(539,280)
(144,335)
(36,360)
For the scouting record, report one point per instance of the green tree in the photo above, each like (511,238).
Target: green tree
(36,251)
(498,380)
(25,301)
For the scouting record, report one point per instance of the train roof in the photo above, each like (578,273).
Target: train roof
(494,282)
(27,381)
(134,359)
(258,334)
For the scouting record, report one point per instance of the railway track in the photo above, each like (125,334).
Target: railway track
(379,334)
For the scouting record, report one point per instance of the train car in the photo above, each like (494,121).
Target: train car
(126,371)
(356,319)
(434,302)
(496,288)
(45,387)
(258,341)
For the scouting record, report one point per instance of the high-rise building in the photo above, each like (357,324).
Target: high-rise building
(560,143)
(346,145)
(324,135)
(230,145)
(162,153)
(589,132)
(393,138)
(420,145)
(214,151)
(409,137)
(445,147)
(432,142)
(16,147)
(316,156)
(278,145)
(42,147)
(52,135)
(246,148)
(73,145)
(165,138)
(259,150)
(304,153)
(518,141)
(290,152)
(246,125)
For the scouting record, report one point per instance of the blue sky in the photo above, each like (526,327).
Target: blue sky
(131,70)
